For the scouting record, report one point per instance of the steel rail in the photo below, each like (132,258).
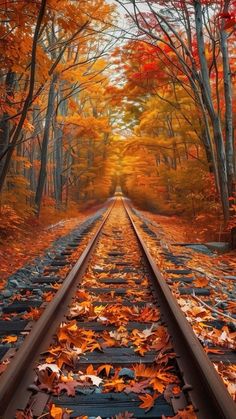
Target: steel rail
(15,381)
(203,385)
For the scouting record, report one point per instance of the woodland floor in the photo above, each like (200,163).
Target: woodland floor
(180,230)
(204,228)
(33,237)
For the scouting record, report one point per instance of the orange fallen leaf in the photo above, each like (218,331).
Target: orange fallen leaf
(9,339)
(56,286)
(57,412)
(16,297)
(187,413)
(201,282)
(90,370)
(48,296)
(157,385)
(117,385)
(213,351)
(106,367)
(147,401)
(33,314)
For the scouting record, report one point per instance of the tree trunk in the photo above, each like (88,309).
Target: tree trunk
(206,136)
(4,122)
(228,112)
(28,99)
(174,159)
(44,149)
(207,151)
(216,124)
(221,167)
(58,153)
(34,148)
(58,166)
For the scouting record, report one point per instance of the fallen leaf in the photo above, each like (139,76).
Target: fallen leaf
(3,366)
(137,387)
(117,385)
(125,415)
(47,380)
(23,415)
(57,412)
(9,339)
(90,370)
(69,387)
(171,391)
(147,401)
(52,367)
(187,413)
(213,351)
(146,332)
(95,380)
(201,282)
(106,367)
(157,385)
(33,314)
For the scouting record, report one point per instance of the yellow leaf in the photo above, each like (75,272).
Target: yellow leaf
(73,326)
(9,339)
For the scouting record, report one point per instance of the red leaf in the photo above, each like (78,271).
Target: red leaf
(231,22)
(69,387)
(225,15)
(137,387)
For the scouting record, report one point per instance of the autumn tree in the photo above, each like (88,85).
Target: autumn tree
(197,33)
(49,59)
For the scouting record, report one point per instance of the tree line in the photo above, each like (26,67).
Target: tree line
(54,126)
(188,48)
(80,111)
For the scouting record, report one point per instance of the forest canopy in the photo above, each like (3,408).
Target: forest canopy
(97,94)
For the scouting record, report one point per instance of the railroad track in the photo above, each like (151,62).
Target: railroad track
(113,340)
(31,296)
